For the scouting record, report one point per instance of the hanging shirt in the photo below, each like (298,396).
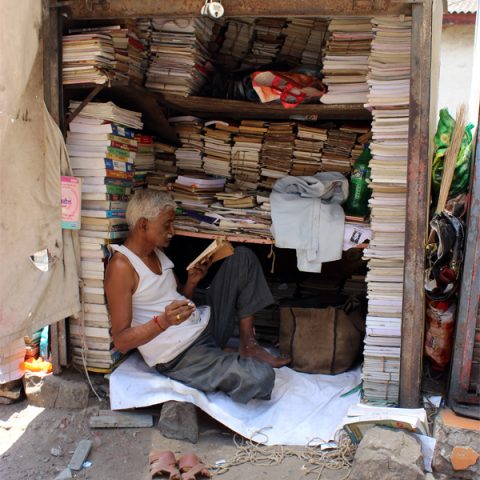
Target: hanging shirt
(307,216)
(154,292)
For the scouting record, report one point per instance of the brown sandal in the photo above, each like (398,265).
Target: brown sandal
(163,462)
(191,466)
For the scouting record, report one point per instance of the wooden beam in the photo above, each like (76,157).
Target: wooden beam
(468,308)
(417,208)
(206,107)
(51,72)
(101,9)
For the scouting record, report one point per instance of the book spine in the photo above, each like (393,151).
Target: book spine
(118,151)
(116,165)
(123,131)
(119,174)
(122,146)
(127,141)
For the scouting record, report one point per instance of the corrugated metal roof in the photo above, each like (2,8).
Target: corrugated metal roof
(462,6)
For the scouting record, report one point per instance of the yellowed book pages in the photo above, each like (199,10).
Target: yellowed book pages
(220,248)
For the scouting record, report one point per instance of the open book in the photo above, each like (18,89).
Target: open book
(218,249)
(361,417)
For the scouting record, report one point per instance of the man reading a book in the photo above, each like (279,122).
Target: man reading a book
(151,311)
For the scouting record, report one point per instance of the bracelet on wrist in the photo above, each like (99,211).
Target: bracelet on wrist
(157,320)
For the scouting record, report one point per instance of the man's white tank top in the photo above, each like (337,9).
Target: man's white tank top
(154,292)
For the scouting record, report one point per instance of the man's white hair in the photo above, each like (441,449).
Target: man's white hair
(147,204)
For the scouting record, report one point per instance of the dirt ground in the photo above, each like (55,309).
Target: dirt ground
(28,433)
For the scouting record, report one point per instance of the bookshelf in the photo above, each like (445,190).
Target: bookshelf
(209,107)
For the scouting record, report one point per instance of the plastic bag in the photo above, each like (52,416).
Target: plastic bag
(442,139)
(290,88)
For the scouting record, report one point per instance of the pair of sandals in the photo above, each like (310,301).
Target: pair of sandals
(187,467)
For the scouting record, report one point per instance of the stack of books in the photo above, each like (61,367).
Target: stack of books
(217,148)
(97,113)
(246,154)
(164,157)
(196,191)
(129,54)
(277,152)
(144,161)
(312,54)
(337,151)
(345,64)
(102,154)
(237,43)
(307,153)
(189,157)
(296,33)
(87,58)
(388,78)
(267,42)
(179,55)
(237,199)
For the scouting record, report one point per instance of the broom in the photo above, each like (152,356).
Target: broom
(449,163)
(451,159)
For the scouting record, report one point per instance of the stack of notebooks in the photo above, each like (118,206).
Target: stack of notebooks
(246,154)
(296,33)
(268,40)
(217,148)
(164,157)
(237,42)
(277,152)
(180,56)
(388,78)
(337,150)
(189,157)
(346,61)
(129,60)
(307,154)
(246,222)
(312,54)
(97,113)
(144,161)
(87,58)
(237,199)
(102,153)
(197,191)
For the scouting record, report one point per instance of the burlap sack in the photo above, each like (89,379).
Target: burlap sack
(322,340)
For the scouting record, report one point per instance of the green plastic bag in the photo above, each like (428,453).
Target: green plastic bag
(442,139)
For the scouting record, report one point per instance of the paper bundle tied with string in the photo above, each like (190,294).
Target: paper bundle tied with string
(220,248)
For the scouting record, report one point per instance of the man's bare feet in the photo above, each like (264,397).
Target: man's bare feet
(251,349)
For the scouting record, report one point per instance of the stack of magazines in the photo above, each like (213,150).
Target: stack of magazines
(388,78)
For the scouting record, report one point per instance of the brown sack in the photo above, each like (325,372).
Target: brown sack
(322,340)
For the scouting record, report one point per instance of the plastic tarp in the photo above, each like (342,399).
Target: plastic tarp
(32,157)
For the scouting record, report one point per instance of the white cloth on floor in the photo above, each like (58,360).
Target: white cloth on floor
(307,216)
(303,406)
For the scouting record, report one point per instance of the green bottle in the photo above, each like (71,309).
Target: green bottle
(359,193)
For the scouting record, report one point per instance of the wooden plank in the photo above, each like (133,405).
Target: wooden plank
(109,419)
(417,208)
(62,344)
(230,238)
(85,102)
(246,8)
(469,306)
(80,454)
(51,72)
(53,331)
(238,109)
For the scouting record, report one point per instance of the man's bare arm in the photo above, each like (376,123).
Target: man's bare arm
(120,283)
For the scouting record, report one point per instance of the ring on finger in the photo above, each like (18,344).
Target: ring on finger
(178,317)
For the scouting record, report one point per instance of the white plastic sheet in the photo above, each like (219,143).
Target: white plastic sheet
(303,407)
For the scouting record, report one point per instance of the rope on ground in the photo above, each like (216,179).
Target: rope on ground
(317,460)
